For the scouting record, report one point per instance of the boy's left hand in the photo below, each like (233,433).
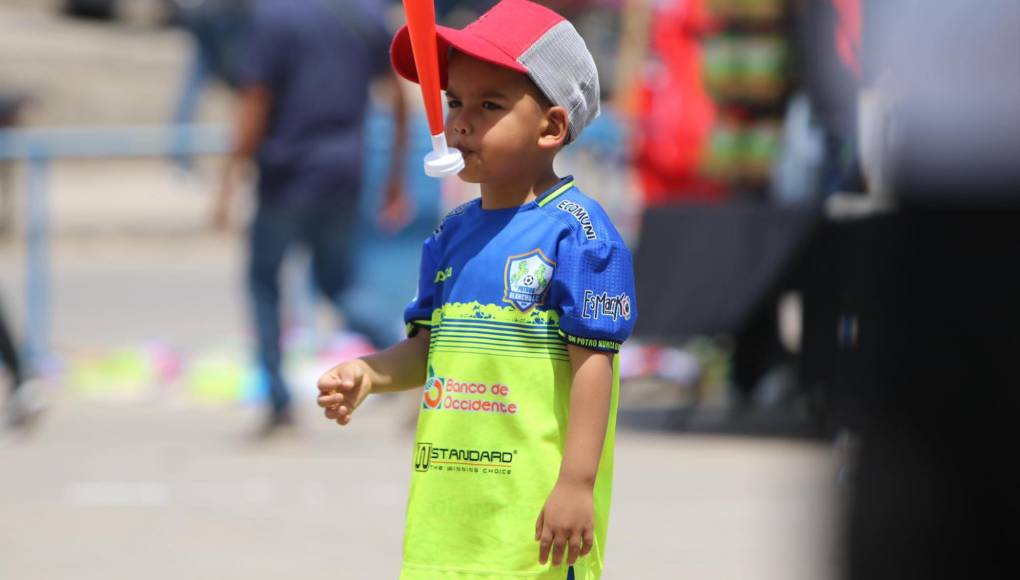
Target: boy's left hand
(566,523)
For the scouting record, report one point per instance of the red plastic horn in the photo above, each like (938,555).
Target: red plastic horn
(421,25)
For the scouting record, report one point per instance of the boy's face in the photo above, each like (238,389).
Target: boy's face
(497,118)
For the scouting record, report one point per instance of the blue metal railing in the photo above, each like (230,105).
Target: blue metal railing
(38,148)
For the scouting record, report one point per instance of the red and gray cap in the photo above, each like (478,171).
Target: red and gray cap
(524,37)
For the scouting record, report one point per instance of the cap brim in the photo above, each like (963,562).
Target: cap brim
(402,56)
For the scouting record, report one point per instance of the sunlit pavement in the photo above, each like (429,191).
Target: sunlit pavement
(167,488)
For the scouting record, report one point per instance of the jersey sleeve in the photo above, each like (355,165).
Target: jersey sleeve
(418,313)
(593,290)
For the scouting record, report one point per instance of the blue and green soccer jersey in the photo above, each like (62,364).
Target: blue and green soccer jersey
(504,292)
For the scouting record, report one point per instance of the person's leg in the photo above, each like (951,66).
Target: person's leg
(332,237)
(9,353)
(273,230)
(24,404)
(187,107)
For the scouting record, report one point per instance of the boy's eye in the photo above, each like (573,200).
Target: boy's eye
(453,103)
(490,106)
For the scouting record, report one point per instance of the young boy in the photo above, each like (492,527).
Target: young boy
(524,297)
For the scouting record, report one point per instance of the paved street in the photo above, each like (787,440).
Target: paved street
(167,489)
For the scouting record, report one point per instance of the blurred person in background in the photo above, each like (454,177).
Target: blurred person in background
(304,92)
(11,105)
(22,405)
(219,33)
(819,155)
(828,39)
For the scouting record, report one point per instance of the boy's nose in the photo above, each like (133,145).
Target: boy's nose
(459,126)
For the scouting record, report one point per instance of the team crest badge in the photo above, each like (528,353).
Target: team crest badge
(526,278)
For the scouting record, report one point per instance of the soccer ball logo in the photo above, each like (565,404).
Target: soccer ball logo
(526,278)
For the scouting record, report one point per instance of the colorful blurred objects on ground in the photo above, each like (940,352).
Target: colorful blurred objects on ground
(224,374)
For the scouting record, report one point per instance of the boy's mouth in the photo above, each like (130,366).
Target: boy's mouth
(464,150)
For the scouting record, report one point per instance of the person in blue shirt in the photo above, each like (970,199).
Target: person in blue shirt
(300,117)
(524,298)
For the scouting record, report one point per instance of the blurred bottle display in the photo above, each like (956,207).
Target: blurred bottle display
(746,72)
(745,69)
(723,159)
(760,147)
(712,99)
(722,73)
(748,11)
(763,67)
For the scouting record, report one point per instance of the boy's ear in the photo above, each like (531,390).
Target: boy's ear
(554,128)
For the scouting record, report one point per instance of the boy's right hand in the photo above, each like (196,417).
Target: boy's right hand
(342,389)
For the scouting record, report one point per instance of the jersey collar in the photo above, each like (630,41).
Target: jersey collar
(555,191)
